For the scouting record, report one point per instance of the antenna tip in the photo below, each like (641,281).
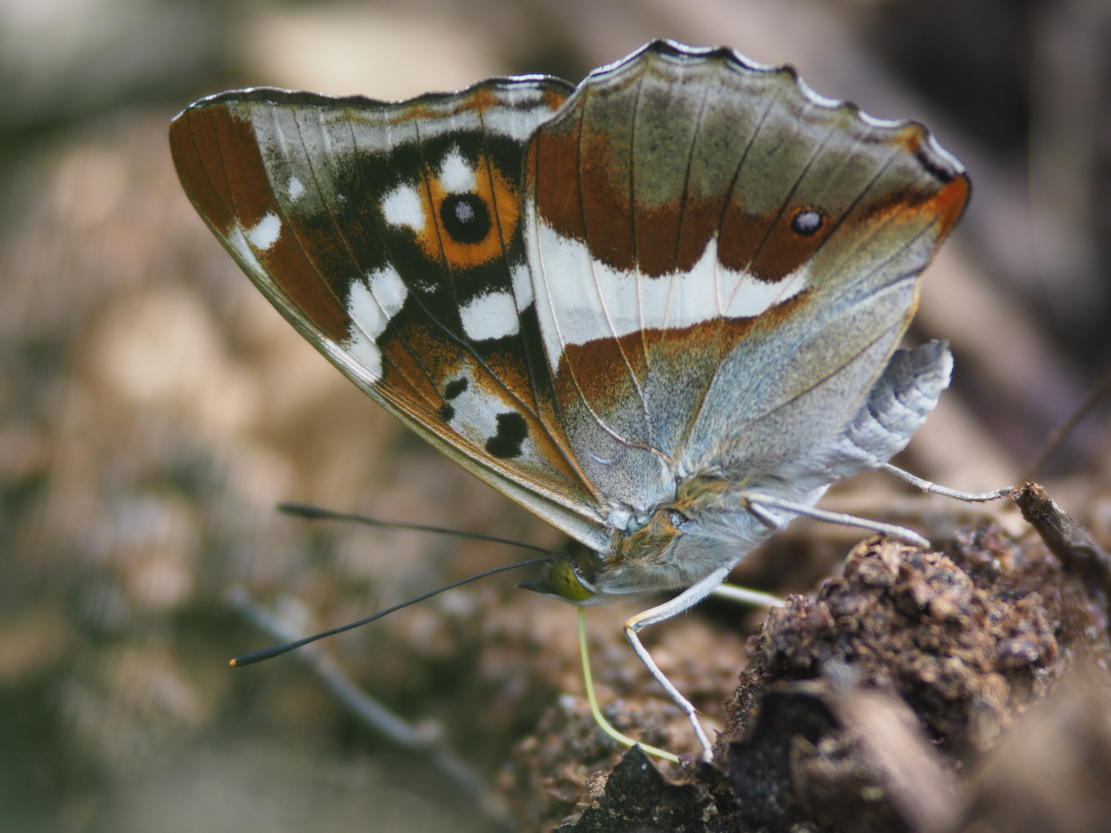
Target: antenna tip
(233,663)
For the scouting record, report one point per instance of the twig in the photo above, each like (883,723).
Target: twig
(1066,539)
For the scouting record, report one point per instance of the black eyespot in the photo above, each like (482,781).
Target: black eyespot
(512,431)
(807,221)
(465,218)
(455,387)
(446,413)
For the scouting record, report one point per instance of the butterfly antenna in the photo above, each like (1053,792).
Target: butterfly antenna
(306,511)
(277,650)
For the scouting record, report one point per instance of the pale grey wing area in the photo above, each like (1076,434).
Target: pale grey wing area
(789,387)
(896,408)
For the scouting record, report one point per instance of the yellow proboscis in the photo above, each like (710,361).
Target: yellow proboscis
(599,718)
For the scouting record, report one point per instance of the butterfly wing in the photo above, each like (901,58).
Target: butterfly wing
(723,264)
(389,236)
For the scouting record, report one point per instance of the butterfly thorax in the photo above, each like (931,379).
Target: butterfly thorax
(704,528)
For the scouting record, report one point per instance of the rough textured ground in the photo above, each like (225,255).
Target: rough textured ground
(919,691)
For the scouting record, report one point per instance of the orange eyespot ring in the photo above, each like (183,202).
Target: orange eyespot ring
(567,584)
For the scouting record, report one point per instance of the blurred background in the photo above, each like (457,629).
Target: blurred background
(154,408)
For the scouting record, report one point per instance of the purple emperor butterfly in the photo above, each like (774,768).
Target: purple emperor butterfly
(659,309)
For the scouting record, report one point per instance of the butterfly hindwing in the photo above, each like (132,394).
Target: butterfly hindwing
(723,263)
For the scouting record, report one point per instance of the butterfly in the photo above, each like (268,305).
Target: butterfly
(661,309)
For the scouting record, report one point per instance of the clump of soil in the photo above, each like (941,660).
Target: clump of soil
(919,691)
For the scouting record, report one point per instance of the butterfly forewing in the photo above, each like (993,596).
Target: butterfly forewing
(390,236)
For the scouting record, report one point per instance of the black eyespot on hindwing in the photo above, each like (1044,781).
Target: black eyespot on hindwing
(807,221)
(465,217)
(512,432)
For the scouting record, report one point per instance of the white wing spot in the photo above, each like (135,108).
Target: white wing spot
(490,316)
(456,176)
(371,303)
(388,289)
(402,207)
(296,189)
(367,316)
(265,232)
(366,353)
(752,297)
(238,240)
(522,286)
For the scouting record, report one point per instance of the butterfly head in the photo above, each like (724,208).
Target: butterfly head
(705,527)
(571,577)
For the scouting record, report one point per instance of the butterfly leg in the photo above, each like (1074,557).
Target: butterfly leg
(933,488)
(758,505)
(746,596)
(684,601)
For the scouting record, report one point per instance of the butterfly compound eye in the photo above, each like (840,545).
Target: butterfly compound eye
(806,222)
(677,519)
(567,584)
(465,217)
